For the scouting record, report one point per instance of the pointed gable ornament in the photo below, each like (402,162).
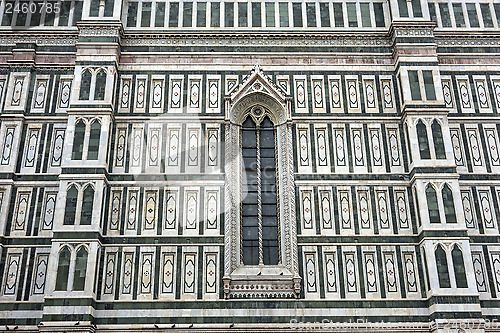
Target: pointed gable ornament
(258,89)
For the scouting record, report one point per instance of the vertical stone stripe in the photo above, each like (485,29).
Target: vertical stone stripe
(41,146)
(48,145)
(401,272)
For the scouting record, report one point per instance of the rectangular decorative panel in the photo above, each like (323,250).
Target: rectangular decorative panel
(310,272)
(345,209)
(387,94)
(150,209)
(146,282)
(492,144)
(137,142)
(330,272)
(300,95)
(352,94)
(8,142)
(350,272)
(447,93)
(40,274)
(121,147)
(40,94)
(212,209)
(318,95)
(49,208)
(128,271)
(132,208)
(194,101)
(322,147)
(468,205)
(464,91)
(495,263)
(370,95)
(17,92)
(326,209)
(191,209)
(394,142)
(340,147)
(57,147)
(479,272)
(171,204)
(307,209)
(211,273)
(482,94)
(474,145)
(126,90)
(401,209)
(173,146)
(154,138)
(176,94)
(157,88)
(390,272)
(115,211)
(410,271)
(109,276)
(12,265)
(140,95)
(376,147)
(189,283)
(358,147)
(21,212)
(364,209)
(370,272)
(335,94)
(457,146)
(168,272)
(212,146)
(31,147)
(193,146)
(303,135)
(213,103)
(486,209)
(383,209)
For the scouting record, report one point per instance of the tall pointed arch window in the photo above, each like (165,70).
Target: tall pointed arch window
(432,204)
(71,201)
(80,269)
(63,269)
(95,135)
(100,85)
(423,141)
(78,139)
(87,206)
(442,268)
(458,265)
(85,85)
(259,202)
(449,206)
(437,136)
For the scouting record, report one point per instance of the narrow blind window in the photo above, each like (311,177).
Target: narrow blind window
(259,204)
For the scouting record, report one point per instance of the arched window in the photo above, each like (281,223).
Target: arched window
(449,205)
(85,85)
(423,141)
(80,269)
(442,268)
(458,265)
(437,136)
(71,200)
(432,204)
(78,139)
(63,269)
(100,86)
(87,206)
(259,204)
(95,135)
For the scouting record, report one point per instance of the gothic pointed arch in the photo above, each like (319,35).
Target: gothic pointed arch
(258,108)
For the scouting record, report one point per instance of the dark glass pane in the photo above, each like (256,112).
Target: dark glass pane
(311,14)
(417,8)
(437,136)
(445,15)
(95,135)
(366,20)
(78,141)
(458,265)
(173,18)
(71,200)
(403,8)
(85,85)
(215,14)
(459,15)
(187,17)
(35,15)
(432,12)
(270,16)
(283,8)
(256,14)
(432,204)
(160,14)
(379,14)
(201,14)
(352,16)
(442,268)
(146,14)
(250,253)
(77,12)
(7,15)
(297,14)
(486,13)
(94,8)
(324,13)
(50,15)
(338,14)
(249,210)
(229,14)
(430,91)
(108,8)
(87,206)
(63,270)
(414,86)
(423,141)
(21,17)
(64,14)
(80,270)
(472,13)
(496,6)
(449,205)
(242,14)
(100,86)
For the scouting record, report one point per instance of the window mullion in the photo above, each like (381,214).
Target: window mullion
(259,196)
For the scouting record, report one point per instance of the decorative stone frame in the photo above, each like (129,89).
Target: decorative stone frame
(260,281)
